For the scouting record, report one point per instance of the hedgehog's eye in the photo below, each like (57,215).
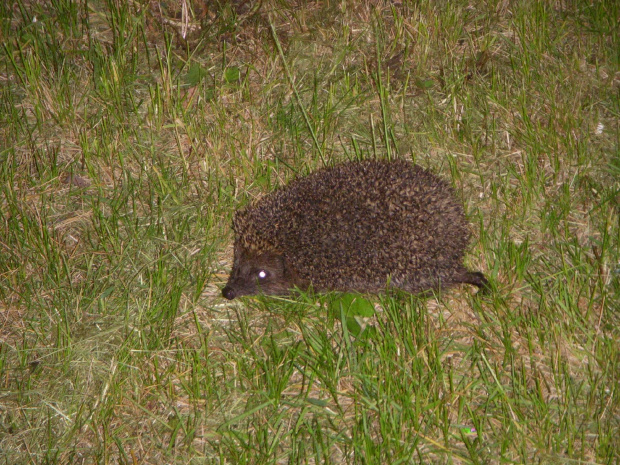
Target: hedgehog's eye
(262,274)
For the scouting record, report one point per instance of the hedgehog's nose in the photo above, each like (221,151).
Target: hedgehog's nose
(229,293)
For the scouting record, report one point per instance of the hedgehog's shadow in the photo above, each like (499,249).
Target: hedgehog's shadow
(303,302)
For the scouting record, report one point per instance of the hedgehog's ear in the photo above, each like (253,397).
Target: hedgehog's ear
(275,259)
(287,269)
(277,262)
(283,264)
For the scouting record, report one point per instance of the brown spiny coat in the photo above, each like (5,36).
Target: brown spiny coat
(357,226)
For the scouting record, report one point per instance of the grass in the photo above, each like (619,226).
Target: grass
(129,134)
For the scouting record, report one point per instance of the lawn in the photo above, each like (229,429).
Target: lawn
(130,132)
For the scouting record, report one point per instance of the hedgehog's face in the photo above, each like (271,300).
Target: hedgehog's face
(255,274)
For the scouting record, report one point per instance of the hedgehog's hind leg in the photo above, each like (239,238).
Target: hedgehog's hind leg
(476,278)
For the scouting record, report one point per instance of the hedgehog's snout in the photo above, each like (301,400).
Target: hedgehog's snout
(229,293)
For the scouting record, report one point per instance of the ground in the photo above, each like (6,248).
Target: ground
(131,131)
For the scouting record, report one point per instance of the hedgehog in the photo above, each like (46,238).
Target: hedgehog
(361,226)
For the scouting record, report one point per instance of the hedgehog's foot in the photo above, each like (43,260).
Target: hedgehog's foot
(476,278)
